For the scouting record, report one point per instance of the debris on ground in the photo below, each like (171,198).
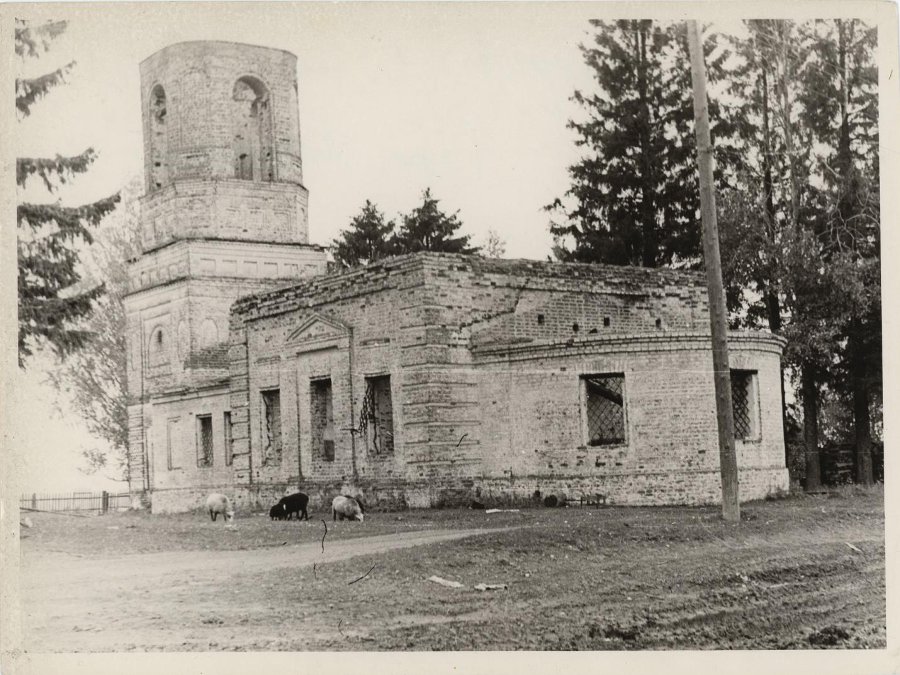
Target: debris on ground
(502,510)
(491,587)
(26,522)
(829,636)
(858,550)
(445,582)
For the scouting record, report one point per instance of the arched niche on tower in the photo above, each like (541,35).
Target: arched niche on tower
(159,139)
(158,347)
(252,139)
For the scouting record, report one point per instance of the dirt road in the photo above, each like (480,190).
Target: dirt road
(801,573)
(68,610)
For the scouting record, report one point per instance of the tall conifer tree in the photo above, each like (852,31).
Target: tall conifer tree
(427,228)
(369,238)
(634,195)
(49,233)
(840,106)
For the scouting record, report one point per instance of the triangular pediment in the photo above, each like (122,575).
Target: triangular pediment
(317,327)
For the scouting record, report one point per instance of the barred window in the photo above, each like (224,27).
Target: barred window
(204,441)
(604,408)
(744,404)
(271,427)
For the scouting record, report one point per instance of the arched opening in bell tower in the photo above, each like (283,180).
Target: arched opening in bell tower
(159,145)
(252,141)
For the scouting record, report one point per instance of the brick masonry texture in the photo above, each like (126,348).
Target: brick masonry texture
(189,158)
(497,413)
(209,237)
(485,365)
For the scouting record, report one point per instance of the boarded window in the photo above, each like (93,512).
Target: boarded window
(229,439)
(322,419)
(604,409)
(743,404)
(172,430)
(204,441)
(377,416)
(271,427)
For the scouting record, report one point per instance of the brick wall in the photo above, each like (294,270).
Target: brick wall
(225,259)
(193,315)
(496,415)
(646,489)
(225,208)
(199,80)
(190,155)
(173,437)
(290,349)
(534,419)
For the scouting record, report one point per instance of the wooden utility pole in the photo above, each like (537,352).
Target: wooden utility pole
(731,507)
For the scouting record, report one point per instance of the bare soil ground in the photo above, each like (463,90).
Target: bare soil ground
(786,577)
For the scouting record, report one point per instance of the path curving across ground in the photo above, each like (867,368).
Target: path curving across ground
(806,572)
(77,603)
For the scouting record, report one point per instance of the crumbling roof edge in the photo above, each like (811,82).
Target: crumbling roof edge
(221,42)
(518,267)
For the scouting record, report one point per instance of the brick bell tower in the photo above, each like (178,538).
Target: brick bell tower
(224,214)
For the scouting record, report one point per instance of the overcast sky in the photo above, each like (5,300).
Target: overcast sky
(393,99)
(470,100)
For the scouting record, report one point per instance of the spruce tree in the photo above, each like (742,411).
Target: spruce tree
(369,238)
(634,196)
(427,228)
(49,234)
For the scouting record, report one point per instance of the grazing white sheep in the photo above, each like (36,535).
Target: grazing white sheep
(218,503)
(346,507)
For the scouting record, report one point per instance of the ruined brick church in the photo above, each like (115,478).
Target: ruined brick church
(421,380)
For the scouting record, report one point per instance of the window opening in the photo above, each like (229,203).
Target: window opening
(204,441)
(322,415)
(271,427)
(229,439)
(605,409)
(253,149)
(376,419)
(158,138)
(742,404)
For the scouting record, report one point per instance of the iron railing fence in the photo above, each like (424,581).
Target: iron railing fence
(75,501)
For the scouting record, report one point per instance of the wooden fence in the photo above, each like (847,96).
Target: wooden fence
(101,502)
